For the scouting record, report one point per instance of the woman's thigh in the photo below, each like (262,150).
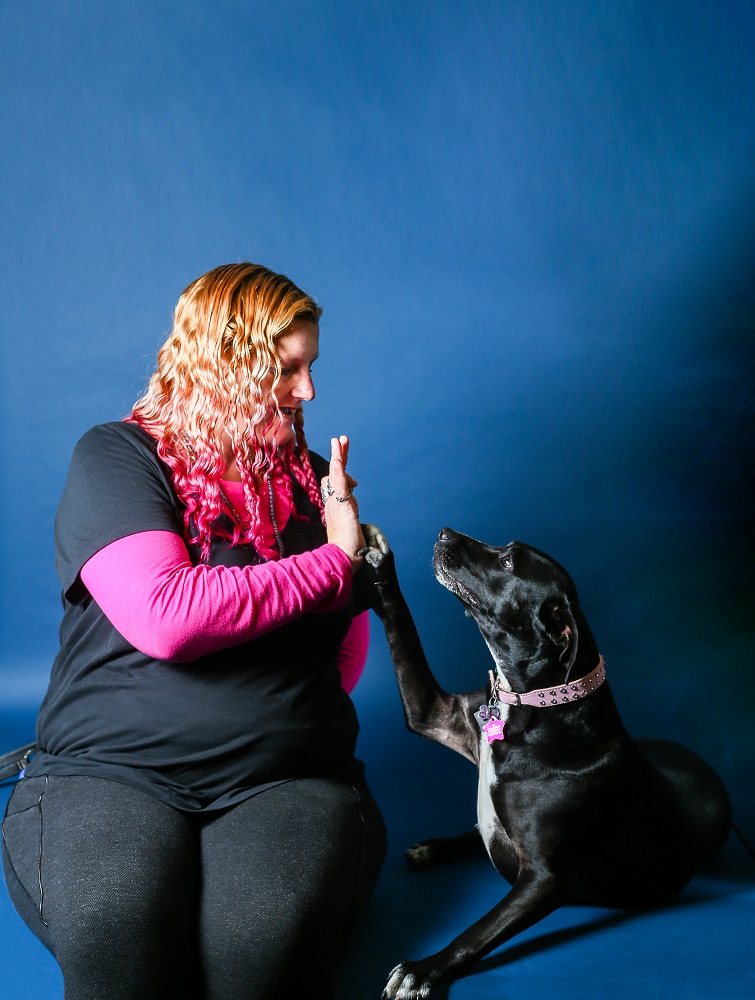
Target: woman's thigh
(107,877)
(286,874)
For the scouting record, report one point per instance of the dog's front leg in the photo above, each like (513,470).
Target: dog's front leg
(428,709)
(532,898)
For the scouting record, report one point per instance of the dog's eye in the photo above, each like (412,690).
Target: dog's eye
(507,562)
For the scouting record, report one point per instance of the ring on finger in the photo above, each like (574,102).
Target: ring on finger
(326,491)
(343,499)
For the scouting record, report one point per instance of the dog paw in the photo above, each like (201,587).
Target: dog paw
(411,981)
(381,568)
(378,552)
(420,855)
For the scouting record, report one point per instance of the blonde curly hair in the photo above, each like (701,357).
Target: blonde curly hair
(207,389)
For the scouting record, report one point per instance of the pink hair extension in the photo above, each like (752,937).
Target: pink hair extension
(305,474)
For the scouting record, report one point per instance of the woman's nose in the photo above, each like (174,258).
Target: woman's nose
(305,387)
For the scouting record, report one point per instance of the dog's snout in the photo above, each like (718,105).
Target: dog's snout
(445,555)
(445,535)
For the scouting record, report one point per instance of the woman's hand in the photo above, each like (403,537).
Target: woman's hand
(341,511)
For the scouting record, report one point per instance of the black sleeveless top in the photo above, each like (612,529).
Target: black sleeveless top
(200,735)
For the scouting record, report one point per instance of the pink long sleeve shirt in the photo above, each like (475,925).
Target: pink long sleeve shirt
(174,611)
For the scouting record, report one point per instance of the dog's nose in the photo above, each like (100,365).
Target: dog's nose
(445,534)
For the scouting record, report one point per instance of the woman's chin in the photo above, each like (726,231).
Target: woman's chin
(282,437)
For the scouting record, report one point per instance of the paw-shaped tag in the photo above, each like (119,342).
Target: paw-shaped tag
(485,714)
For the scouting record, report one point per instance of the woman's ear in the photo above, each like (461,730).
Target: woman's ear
(561,628)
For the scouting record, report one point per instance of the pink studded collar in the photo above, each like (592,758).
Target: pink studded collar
(548,697)
(489,716)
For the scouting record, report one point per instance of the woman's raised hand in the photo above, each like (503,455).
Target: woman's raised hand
(341,510)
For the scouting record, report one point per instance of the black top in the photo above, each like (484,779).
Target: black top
(200,735)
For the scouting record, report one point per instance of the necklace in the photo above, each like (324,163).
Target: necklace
(273,518)
(232,510)
(271,503)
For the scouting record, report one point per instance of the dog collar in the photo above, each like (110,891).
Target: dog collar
(489,716)
(548,697)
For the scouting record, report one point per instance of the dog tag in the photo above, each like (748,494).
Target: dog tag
(486,715)
(494,729)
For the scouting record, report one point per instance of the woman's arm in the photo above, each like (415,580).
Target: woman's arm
(147,587)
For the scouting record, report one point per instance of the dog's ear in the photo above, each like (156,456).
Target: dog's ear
(561,628)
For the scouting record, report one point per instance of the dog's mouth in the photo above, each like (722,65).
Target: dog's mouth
(443,576)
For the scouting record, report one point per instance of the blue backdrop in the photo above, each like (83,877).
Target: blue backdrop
(530,227)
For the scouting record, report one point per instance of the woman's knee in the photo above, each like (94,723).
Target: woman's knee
(103,874)
(287,874)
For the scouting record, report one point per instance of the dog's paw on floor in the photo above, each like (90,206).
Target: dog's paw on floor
(412,981)
(441,850)
(420,856)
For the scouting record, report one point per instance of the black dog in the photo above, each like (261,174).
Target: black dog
(570,808)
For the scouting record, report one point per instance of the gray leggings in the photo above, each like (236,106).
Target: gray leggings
(139,901)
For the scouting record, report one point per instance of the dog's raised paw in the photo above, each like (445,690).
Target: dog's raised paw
(403,984)
(377,544)
(377,552)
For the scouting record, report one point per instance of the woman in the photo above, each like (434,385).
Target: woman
(195,823)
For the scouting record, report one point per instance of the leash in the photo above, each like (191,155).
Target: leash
(489,716)
(13,763)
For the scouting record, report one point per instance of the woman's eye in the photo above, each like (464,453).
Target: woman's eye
(290,370)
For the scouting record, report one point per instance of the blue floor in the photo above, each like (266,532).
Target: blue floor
(698,949)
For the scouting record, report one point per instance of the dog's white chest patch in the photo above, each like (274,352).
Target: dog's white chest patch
(487,818)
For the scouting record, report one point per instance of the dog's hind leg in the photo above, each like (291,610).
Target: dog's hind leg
(441,850)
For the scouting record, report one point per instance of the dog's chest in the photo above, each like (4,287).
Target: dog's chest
(488,821)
